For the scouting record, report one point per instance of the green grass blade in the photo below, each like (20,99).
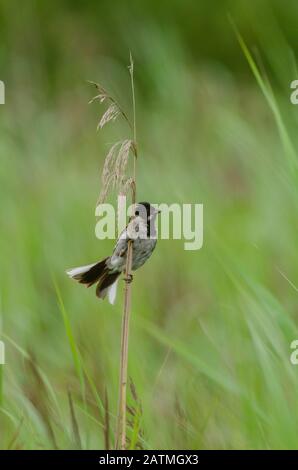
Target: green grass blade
(267,92)
(71,340)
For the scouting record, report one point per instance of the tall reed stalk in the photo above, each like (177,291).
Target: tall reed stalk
(121,418)
(114,174)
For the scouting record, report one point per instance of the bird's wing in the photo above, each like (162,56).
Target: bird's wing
(129,233)
(118,258)
(121,247)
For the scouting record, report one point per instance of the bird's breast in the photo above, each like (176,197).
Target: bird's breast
(142,250)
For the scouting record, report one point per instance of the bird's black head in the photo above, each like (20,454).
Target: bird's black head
(145,210)
(148,213)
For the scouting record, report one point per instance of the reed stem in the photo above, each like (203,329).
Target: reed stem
(121,418)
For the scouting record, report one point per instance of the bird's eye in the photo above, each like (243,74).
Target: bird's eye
(137,212)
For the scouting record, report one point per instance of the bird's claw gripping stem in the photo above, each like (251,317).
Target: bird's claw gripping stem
(128,278)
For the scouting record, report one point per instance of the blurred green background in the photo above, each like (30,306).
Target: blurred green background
(210,329)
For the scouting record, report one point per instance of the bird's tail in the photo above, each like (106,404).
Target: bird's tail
(97,273)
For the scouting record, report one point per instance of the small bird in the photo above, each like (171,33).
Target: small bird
(141,231)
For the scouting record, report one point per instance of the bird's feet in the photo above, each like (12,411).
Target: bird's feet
(128,279)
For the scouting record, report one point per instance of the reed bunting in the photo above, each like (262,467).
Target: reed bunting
(141,230)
